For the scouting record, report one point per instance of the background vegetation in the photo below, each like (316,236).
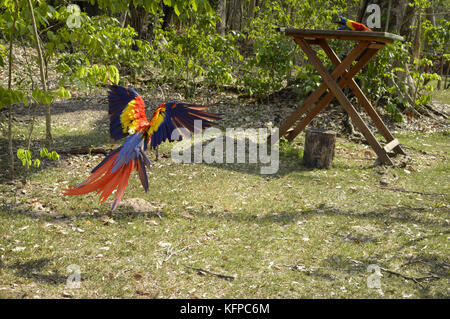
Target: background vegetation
(212,43)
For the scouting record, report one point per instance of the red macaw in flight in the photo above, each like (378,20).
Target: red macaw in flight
(127,118)
(352,25)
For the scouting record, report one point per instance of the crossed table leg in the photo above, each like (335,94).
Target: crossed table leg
(368,50)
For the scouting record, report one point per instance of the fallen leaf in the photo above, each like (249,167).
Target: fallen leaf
(187,215)
(107,220)
(151,222)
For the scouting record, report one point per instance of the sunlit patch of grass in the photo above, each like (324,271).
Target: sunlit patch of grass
(442,95)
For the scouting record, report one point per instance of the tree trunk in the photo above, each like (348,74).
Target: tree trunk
(251,12)
(446,76)
(167,16)
(417,39)
(223,16)
(237,15)
(398,15)
(234,14)
(138,20)
(48,119)
(441,73)
(430,14)
(11,41)
(319,148)
(388,16)
(362,10)
(406,20)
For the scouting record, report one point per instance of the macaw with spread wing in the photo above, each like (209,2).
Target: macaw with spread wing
(352,25)
(127,118)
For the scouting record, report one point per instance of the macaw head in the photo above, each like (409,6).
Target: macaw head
(121,93)
(131,92)
(343,21)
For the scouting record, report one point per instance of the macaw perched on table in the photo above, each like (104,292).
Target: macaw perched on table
(352,25)
(127,118)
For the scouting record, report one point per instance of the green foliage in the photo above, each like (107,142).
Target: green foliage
(2,55)
(9,97)
(25,157)
(271,64)
(422,4)
(153,6)
(308,77)
(91,76)
(288,149)
(198,53)
(420,79)
(384,70)
(221,63)
(47,97)
(437,36)
(94,49)
(50,155)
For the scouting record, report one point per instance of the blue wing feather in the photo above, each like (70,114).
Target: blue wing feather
(129,151)
(178,115)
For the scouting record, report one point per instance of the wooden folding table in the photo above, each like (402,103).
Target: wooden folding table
(368,44)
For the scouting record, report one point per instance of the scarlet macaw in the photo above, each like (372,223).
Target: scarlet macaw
(352,25)
(127,118)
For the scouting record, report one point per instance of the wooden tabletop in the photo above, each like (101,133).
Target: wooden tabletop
(383,37)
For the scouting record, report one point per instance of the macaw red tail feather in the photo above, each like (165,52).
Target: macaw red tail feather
(104,181)
(122,183)
(95,181)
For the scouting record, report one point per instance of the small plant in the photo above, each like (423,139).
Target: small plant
(308,77)
(422,90)
(24,155)
(288,149)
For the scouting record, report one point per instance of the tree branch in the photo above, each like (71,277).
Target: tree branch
(41,69)
(201,270)
(10,142)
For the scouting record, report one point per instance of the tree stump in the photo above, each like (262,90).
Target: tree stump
(319,148)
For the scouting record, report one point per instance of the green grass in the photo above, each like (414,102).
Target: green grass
(299,233)
(442,95)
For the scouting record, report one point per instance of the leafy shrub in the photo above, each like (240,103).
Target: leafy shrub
(197,53)
(384,78)
(87,52)
(271,63)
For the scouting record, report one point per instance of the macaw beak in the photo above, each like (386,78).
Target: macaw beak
(338,19)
